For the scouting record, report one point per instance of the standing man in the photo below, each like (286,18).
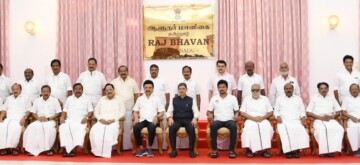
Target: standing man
(59,82)
(127,88)
(328,132)
(345,78)
(5,85)
(277,85)
(247,80)
(93,81)
(30,87)
(221,75)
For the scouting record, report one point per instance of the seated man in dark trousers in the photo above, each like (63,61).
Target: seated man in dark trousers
(223,111)
(182,113)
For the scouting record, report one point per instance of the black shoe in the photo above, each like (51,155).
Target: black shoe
(289,155)
(250,154)
(72,153)
(50,153)
(214,154)
(232,155)
(295,154)
(3,152)
(15,152)
(331,155)
(173,154)
(266,154)
(192,154)
(65,154)
(322,155)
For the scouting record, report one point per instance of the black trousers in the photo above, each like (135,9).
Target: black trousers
(190,130)
(151,129)
(231,125)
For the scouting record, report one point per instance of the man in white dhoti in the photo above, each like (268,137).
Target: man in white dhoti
(16,110)
(127,88)
(291,119)
(147,111)
(351,110)
(328,132)
(30,87)
(40,135)
(257,131)
(223,111)
(104,134)
(76,113)
(93,81)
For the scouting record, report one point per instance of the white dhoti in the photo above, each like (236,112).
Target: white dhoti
(353,132)
(257,136)
(103,137)
(10,132)
(72,134)
(329,135)
(293,136)
(39,137)
(127,131)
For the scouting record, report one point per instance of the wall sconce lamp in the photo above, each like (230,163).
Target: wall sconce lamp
(333,21)
(30,27)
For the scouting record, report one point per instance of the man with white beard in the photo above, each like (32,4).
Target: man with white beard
(16,110)
(40,135)
(76,113)
(291,119)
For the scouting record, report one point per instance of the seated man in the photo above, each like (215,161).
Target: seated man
(104,134)
(328,132)
(351,107)
(148,108)
(223,112)
(291,119)
(182,113)
(40,135)
(77,111)
(258,132)
(16,109)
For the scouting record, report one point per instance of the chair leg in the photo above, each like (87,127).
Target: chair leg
(119,145)
(313,144)
(133,143)
(347,144)
(86,143)
(21,144)
(168,143)
(160,142)
(196,144)
(279,145)
(208,140)
(236,144)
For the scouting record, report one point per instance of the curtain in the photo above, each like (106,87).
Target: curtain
(4,36)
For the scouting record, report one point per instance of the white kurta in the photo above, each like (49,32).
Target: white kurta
(103,137)
(60,84)
(256,135)
(245,82)
(5,87)
(72,132)
(277,88)
(193,88)
(212,84)
(93,83)
(292,133)
(328,134)
(10,129)
(352,106)
(31,88)
(343,81)
(40,136)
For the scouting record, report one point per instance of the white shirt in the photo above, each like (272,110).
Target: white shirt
(93,83)
(322,106)
(277,88)
(148,108)
(46,108)
(212,85)
(193,88)
(5,87)
(245,82)
(16,107)
(160,88)
(31,88)
(343,81)
(59,84)
(77,108)
(351,105)
(107,109)
(289,108)
(256,107)
(223,108)
(126,89)
(169,112)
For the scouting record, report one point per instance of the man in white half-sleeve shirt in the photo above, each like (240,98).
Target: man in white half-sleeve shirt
(76,113)
(223,111)
(40,135)
(5,85)
(345,78)
(147,110)
(93,81)
(351,110)
(127,88)
(258,132)
(221,75)
(59,82)
(16,110)
(291,119)
(30,87)
(277,84)
(247,80)
(328,132)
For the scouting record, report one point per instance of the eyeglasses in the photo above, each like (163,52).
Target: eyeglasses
(255,90)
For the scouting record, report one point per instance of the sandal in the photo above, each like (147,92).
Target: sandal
(232,155)
(214,154)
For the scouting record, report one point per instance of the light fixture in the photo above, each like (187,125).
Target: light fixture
(333,21)
(30,27)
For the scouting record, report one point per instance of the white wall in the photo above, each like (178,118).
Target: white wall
(328,47)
